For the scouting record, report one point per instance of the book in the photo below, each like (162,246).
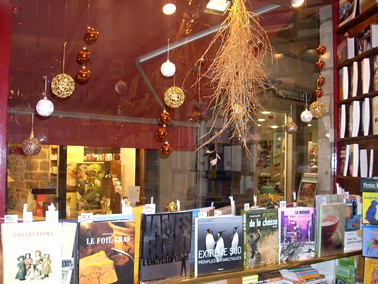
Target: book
(260,237)
(374,115)
(354,83)
(369,208)
(343,115)
(106,251)
(355,117)
(218,244)
(32,252)
(165,246)
(354,159)
(345,270)
(347,11)
(370,241)
(302,274)
(331,229)
(353,220)
(371,163)
(371,270)
(367,38)
(363,163)
(365,5)
(346,160)
(306,193)
(365,72)
(319,201)
(366,116)
(296,233)
(69,252)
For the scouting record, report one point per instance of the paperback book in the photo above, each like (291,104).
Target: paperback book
(345,270)
(331,229)
(218,244)
(353,220)
(371,270)
(370,241)
(369,208)
(297,225)
(106,252)
(260,237)
(32,252)
(165,246)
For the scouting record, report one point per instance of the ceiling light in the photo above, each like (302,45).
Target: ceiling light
(274,126)
(261,119)
(169,8)
(265,112)
(218,7)
(296,3)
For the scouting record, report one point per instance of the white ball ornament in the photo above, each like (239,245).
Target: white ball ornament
(306,116)
(168,69)
(44,107)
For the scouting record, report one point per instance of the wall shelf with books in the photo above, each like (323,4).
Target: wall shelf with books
(267,268)
(356,95)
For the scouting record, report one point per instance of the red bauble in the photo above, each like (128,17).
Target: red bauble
(319,93)
(83,75)
(83,56)
(165,117)
(320,81)
(166,149)
(91,35)
(321,49)
(319,64)
(161,133)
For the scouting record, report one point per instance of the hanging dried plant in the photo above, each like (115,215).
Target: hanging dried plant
(237,74)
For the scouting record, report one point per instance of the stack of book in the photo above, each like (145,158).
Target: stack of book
(302,274)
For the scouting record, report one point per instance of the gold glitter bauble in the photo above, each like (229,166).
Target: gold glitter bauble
(171,207)
(174,97)
(291,127)
(237,111)
(318,109)
(62,85)
(31,146)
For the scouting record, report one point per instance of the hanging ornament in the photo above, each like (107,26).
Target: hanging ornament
(91,35)
(31,146)
(291,127)
(166,149)
(165,117)
(319,93)
(174,97)
(320,81)
(321,49)
(237,111)
(161,133)
(306,115)
(62,85)
(45,107)
(120,87)
(319,65)
(318,109)
(83,75)
(83,56)
(168,69)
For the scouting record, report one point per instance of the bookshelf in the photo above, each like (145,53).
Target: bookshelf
(237,275)
(356,97)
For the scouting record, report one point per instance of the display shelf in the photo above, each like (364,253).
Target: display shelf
(243,273)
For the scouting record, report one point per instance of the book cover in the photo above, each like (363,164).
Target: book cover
(366,116)
(363,163)
(260,237)
(365,71)
(355,76)
(343,115)
(364,5)
(345,270)
(218,245)
(369,208)
(371,163)
(371,270)
(354,160)
(165,245)
(106,252)
(69,252)
(331,229)
(32,252)
(374,115)
(307,192)
(370,241)
(356,117)
(353,221)
(347,11)
(296,233)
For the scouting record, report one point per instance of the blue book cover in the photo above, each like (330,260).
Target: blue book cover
(370,241)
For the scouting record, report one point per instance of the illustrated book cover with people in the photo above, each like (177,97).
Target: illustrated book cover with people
(165,246)
(369,208)
(218,244)
(106,251)
(32,252)
(331,229)
(370,241)
(296,233)
(260,237)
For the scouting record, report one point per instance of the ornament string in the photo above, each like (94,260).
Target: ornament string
(64,56)
(168,50)
(45,93)
(32,130)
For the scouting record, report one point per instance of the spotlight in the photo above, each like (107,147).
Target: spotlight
(296,3)
(169,8)
(218,7)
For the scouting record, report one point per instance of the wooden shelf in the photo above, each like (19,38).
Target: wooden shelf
(358,98)
(359,22)
(243,273)
(357,139)
(367,54)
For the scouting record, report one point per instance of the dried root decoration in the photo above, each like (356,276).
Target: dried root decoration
(237,75)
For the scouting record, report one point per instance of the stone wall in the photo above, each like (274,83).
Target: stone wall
(27,172)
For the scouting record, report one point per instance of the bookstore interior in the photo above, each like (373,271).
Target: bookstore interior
(174,141)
